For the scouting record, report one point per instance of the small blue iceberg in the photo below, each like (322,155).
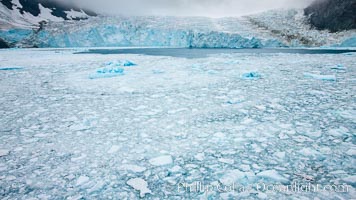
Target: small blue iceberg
(120,63)
(251,76)
(112,69)
(107,72)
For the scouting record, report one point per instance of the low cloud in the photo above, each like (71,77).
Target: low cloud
(209,8)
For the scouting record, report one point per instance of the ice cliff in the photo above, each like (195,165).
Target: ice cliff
(280,28)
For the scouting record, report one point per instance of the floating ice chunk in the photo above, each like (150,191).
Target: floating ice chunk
(232,176)
(140,185)
(338,172)
(133,168)
(81,157)
(4,152)
(320,77)
(200,156)
(226,160)
(351,152)
(339,132)
(212,72)
(191,166)
(261,195)
(156,71)
(10,68)
(82,180)
(11,178)
(237,176)
(235,101)
(76,197)
(280,155)
(272,175)
(113,149)
(176,169)
(311,153)
(107,72)
(120,63)
(97,187)
(251,76)
(306,177)
(350,180)
(162,160)
(313,134)
(219,135)
(78,127)
(245,168)
(339,67)
(348,114)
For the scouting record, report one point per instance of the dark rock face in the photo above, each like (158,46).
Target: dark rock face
(32,6)
(3,44)
(334,15)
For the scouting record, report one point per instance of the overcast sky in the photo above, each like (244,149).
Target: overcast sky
(209,8)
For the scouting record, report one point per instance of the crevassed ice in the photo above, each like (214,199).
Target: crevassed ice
(270,29)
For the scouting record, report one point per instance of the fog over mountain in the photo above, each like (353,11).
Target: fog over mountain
(209,8)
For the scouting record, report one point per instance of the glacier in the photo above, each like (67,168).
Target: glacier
(281,28)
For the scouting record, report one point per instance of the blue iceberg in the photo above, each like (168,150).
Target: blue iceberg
(120,63)
(112,69)
(251,76)
(107,72)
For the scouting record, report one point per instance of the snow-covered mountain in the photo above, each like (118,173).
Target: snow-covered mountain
(29,13)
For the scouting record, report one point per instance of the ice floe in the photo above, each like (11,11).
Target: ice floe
(320,77)
(112,69)
(133,168)
(82,180)
(161,160)
(114,149)
(4,152)
(140,185)
(272,176)
(236,176)
(120,63)
(347,114)
(107,72)
(338,67)
(350,180)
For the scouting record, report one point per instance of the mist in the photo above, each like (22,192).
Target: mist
(208,8)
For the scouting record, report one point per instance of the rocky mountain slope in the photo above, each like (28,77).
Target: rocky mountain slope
(29,13)
(334,15)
